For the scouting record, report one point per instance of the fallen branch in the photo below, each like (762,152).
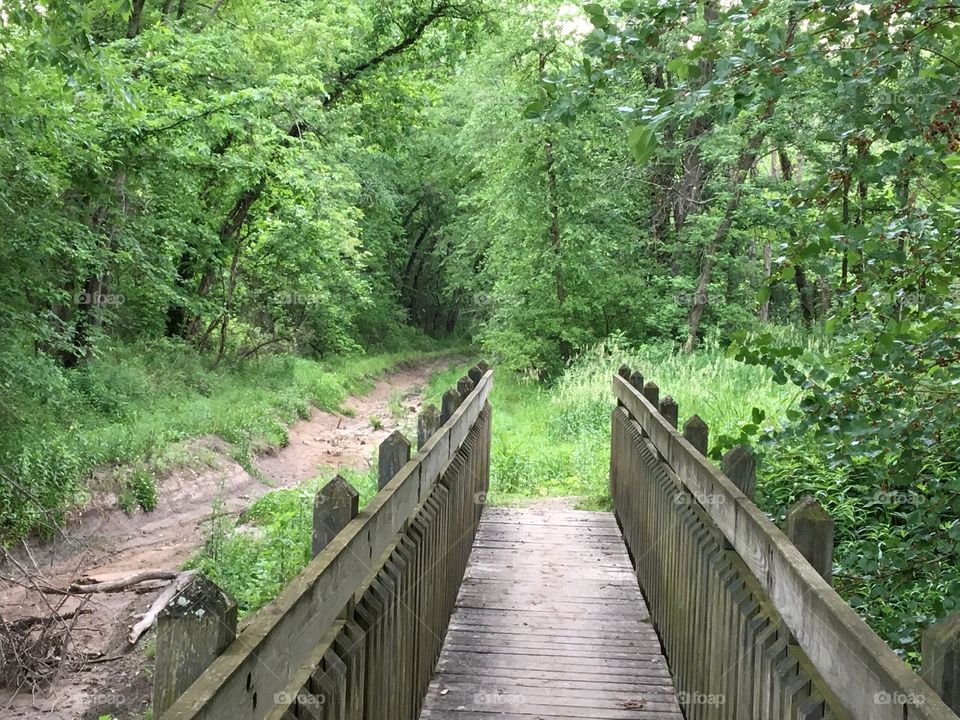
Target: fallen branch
(28,622)
(98,660)
(123,584)
(159,604)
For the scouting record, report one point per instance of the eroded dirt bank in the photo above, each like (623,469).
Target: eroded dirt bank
(105,543)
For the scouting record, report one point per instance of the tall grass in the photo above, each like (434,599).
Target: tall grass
(721,391)
(553,440)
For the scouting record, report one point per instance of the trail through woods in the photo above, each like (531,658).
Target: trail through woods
(106,544)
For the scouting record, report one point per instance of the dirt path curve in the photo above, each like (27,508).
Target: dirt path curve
(107,544)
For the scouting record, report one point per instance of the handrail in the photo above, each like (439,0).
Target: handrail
(854,662)
(258,665)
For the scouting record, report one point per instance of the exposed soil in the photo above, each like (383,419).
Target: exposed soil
(105,543)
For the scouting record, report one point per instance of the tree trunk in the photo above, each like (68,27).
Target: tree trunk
(845,215)
(228,303)
(767,272)
(554,231)
(804,293)
(747,159)
(553,204)
(136,14)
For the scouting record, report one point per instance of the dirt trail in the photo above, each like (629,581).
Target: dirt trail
(107,544)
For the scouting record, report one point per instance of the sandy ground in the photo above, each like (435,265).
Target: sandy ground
(106,544)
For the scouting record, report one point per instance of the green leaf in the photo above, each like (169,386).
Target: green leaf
(642,142)
(596,14)
(534,110)
(679,67)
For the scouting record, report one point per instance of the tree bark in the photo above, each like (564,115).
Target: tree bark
(136,14)
(803,291)
(767,272)
(553,203)
(845,215)
(747,159)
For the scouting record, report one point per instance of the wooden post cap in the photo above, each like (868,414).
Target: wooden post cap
(394,454)
(334,505)
(810,528)
(448,406)
(670,410)
(697,433)
(428,422)
(652,393)
(740,465)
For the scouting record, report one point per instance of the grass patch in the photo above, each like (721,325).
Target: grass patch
(256,556)
(138,407)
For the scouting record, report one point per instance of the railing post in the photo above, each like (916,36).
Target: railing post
(448,406)
(652,393)
(334,505)
(394,454)
(940,647)
(623,372)
(465,386)
(740,465)
(475,374)
(696,432)
(483,366)
(810,529)
(192,630)
(428,422)
(636,379)
(670,410)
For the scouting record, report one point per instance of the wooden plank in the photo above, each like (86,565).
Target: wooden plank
(855,662)
(550,623)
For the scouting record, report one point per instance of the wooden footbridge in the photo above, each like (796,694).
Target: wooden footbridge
(685,602)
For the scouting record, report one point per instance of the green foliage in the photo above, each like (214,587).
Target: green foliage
(139,489)
(193,207)
(255,557)
(553,440)
(138,410)
(269,545)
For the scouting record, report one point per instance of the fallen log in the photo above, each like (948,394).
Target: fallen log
(122,584)
(159,604)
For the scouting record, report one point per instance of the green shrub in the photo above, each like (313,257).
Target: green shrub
(254,558)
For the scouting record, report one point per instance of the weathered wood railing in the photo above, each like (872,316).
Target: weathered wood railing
(357,633)
(750,628)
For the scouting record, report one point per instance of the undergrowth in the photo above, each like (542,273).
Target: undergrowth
(129,416)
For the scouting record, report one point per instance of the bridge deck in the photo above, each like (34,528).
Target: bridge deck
(550,624)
